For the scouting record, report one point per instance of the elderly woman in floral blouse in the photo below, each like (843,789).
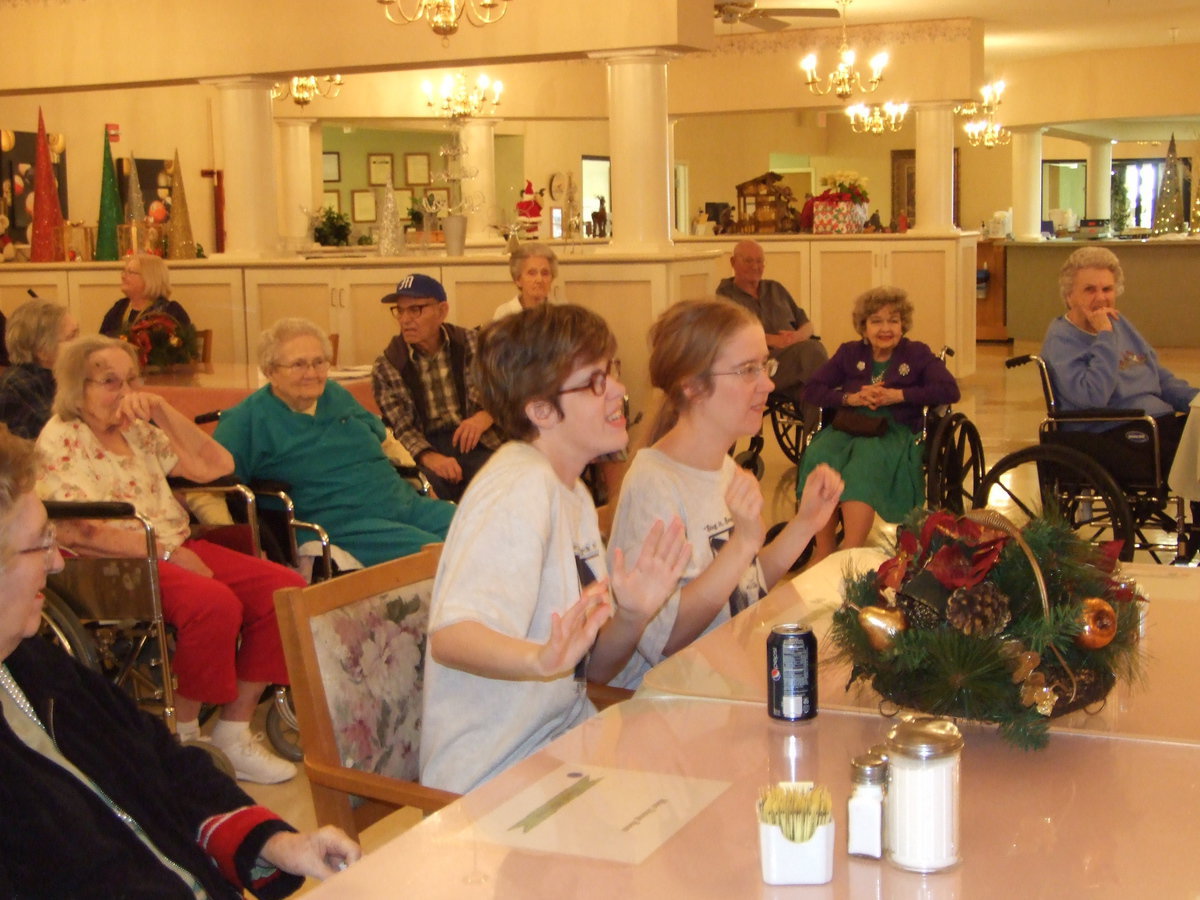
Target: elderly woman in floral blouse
(110,441)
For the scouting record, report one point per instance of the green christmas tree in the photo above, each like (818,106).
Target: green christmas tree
(1119,214)
(110,208)
(1168,208)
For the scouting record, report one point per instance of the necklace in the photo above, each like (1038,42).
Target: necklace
(18,695)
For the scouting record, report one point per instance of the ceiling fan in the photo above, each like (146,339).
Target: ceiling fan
(768,18)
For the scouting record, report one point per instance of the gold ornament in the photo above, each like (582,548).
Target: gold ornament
(1035,692)
(8,140)
(881,625)
(1099,622)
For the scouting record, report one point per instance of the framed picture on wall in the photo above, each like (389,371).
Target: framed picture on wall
(332,199)
(331,166)
(416,169)
(379,168)
(362,206)
(404,201)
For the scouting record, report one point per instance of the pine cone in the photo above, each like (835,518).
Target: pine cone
(981,610)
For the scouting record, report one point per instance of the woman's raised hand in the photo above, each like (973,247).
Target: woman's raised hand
(745,501)
(573,633)
(642,589)
(822,493)
(140,405)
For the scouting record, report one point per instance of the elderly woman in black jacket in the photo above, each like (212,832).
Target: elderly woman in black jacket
(99,798)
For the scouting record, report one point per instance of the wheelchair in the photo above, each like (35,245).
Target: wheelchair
(788,426)
(107,613)
(1107,486)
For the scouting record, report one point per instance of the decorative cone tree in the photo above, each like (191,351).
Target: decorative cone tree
(179,229)
(110,208)
(1168,208)
(391,226)
(46,243)
(135,203)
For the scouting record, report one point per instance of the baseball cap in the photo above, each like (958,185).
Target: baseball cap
(417,286)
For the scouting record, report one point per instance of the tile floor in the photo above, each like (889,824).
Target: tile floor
(1005,405)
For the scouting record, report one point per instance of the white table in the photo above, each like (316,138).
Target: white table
(1184,478)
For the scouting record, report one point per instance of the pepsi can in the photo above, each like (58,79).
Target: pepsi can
(792,673)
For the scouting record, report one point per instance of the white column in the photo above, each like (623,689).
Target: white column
(935,170)
(1027,184)
(248,157)
(296,205)
(640,206)
(1099,179)
(479,137)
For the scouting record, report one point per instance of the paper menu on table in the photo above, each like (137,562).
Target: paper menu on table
(597,812)
(350,373)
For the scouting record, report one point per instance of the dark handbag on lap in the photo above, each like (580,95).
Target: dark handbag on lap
(858,424)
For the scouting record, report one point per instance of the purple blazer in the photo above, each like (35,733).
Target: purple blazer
(913,369)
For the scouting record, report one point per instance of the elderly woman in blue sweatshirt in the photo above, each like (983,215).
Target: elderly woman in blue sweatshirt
(1098,359)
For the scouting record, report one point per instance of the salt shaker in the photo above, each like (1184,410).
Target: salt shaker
(864,809)
(921,810)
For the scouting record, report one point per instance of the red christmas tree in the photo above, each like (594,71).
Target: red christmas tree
(46,245)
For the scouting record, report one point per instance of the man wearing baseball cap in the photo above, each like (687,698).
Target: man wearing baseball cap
(426,392)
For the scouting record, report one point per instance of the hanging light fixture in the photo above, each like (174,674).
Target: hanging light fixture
(303,88)
(876,119)
(845,79)
(982,128)
(444,16)
(456,101)
(987,133)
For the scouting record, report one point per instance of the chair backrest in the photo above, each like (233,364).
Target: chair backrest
(205,337)
(354,649)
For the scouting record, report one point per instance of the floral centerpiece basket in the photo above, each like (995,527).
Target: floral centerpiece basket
(162,341)
(842,207)
(974,619)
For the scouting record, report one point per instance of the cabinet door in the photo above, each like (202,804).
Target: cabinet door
(924,271)
(274,294)
(840,272)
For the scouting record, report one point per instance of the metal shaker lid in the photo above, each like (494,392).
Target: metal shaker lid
(924,737)
(868,768)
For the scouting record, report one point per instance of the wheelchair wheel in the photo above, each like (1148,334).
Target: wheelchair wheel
(1025,484)
(751,462)
(62,628)
(787,421)
(954,468)
(282,729)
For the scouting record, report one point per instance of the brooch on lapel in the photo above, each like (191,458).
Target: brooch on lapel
(862,366)
(904,369)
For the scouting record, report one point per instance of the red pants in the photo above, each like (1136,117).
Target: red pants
(210,614)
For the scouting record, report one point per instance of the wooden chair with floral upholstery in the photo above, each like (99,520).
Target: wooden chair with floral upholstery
(354,652)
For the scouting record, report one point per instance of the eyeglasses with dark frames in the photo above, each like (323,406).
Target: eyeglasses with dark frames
(400,313)
(597,382)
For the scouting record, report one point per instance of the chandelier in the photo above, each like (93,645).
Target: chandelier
(303,88)
(444,16)
(982,128)
(845,78)
(987,133)
(456,101)
(876,119)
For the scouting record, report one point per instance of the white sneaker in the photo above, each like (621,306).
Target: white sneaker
(253,762)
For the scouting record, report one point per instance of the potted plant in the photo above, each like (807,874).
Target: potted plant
(332,228)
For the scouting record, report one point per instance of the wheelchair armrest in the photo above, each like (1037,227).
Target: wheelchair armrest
(1018,361)
(270,486)
(1099,414)
(186,484)
(89,509)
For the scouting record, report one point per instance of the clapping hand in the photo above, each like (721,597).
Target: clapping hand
(822,492)
(745,501)
(573,633)
(643,589)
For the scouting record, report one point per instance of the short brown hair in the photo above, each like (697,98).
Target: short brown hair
(70,371)
(870,302)
(18,469)
(1089,258)
(528,356)
(33,330)
(684,343)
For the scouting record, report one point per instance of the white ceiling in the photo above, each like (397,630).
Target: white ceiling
(1016,29)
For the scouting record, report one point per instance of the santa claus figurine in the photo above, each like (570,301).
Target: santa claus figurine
(529,211)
